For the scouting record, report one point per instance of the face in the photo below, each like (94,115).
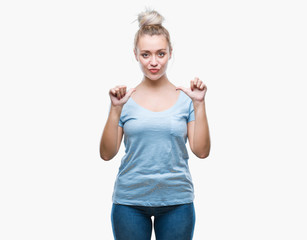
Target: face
(153,54)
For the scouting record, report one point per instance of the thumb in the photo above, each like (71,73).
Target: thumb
(131,90)
(184,89)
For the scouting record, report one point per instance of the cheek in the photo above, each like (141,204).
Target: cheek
(143,63)
(164,64)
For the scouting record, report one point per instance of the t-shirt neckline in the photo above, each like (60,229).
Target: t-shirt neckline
(160,112)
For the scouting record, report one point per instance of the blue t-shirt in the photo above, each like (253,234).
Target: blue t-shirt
(154,170)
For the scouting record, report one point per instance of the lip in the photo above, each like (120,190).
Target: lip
(154,70)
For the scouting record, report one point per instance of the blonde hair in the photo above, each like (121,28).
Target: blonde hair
(150,23)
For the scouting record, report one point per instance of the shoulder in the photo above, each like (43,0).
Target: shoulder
(185,97)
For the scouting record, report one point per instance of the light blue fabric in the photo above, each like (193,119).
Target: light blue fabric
(154,170)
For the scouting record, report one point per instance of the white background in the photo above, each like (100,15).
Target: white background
(60,58)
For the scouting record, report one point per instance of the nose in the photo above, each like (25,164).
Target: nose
(153,61)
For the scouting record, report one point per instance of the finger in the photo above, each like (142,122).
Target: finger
(192,84)
(131,90)
(184,89)
(204,85)
(122,91)
(113,91)
(118,93)
(181,88)
(195,81)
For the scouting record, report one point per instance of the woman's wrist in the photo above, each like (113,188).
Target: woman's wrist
(198,103)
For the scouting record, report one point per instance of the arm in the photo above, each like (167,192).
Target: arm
(112,134)
(198,131)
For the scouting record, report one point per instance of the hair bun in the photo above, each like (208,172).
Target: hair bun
(150,17)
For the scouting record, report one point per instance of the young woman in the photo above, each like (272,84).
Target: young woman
(156,118)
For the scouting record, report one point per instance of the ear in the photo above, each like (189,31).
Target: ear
(170,54)
(135,55)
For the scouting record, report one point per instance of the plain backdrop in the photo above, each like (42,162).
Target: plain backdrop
(58,60)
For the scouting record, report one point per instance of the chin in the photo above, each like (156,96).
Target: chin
(154,77)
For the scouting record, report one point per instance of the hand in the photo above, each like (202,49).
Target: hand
(196,91)
(119,96)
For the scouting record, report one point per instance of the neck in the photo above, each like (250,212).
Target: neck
(156,84)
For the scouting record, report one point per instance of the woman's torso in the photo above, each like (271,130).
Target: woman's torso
(154,170)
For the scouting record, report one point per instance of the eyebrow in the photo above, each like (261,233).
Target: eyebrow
(156,51)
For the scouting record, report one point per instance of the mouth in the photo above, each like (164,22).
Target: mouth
(154,70)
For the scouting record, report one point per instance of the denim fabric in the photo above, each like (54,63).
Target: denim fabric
(174,222)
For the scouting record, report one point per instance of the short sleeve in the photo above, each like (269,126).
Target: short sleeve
(120,122)
(191,112)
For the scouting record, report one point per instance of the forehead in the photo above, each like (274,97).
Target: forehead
(152,43)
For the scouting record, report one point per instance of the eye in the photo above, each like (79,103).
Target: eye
(163,54)
(143,55)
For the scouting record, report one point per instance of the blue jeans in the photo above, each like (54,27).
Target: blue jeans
(175,222)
